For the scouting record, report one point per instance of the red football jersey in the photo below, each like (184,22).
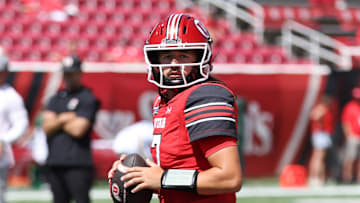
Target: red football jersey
(326,123)
(351,117)
(185,130)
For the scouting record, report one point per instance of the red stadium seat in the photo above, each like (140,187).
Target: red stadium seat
(240,56)
(15,54)
(15,30)
(221,58)
(25,43)
(52,29)
(7,42)
(35,29)
(109,6)
(102,25)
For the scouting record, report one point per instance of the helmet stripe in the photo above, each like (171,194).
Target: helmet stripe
(172,27)
(177,26)
(168,27)
(173,24)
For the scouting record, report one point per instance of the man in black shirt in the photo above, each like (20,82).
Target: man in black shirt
(68,121)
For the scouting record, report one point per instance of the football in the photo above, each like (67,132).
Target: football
(120,194)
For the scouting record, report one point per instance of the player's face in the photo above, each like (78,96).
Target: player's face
(177,57)
(72,80)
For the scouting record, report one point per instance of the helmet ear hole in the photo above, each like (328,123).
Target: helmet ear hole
(207,70)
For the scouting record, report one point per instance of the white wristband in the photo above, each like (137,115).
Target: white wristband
(179,179)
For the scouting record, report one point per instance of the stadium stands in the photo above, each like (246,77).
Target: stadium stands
(100,27)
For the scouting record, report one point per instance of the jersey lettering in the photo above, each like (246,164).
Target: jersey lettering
(156,143)
(159,122)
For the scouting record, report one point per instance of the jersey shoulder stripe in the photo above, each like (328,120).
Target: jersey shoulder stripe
(209,111)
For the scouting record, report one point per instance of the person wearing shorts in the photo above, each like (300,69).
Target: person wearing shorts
(351,125)
(321,130)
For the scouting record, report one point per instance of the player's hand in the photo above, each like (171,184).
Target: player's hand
(144,177)
(66,116)
(116,165)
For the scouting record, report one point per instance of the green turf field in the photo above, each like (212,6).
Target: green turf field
(258,200)
(264,190)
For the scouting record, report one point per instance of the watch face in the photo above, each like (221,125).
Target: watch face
(73,103)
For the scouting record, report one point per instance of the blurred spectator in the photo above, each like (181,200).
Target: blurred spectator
(70,48)
(39,149)
(321,128)
(68,122)
(13,124)
(39,152)
(135,138)
(126,54)
(351,125)
(337,92)
(53,10)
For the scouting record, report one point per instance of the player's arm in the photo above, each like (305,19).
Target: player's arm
(225,176)
(347,129)
(53,122)
(85,113)
(346,118)
(18,118)
(77,126)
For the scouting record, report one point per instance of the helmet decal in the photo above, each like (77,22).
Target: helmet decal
(201,28)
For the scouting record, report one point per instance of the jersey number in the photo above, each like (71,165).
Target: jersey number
(156,143)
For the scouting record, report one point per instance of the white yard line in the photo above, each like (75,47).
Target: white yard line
(343,190)
(327,200)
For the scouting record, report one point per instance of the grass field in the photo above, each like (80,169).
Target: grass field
(254,191)
(255,200)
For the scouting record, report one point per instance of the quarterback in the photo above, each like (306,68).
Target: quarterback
(194,118)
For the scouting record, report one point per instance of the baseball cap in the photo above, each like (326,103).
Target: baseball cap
(4,63)
(71,64)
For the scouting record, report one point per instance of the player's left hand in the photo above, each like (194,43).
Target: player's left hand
(144,177)
(115,166)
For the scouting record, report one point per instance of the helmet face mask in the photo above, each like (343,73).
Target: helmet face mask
(186,34)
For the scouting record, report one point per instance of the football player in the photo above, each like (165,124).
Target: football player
(194,118)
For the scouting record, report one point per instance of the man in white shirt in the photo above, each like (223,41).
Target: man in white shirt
(135,138)
(13,124)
